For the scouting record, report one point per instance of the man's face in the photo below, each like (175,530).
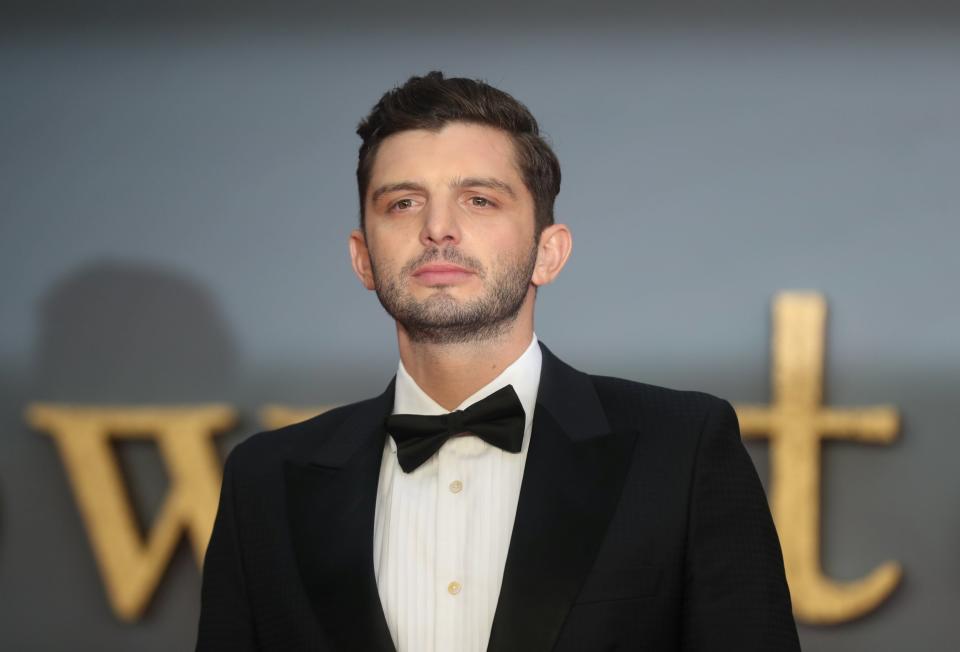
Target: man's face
(449,231)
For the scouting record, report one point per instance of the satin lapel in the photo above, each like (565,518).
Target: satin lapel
(572,482)
(330,506)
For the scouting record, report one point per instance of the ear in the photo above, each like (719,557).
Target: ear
(360,258)
(556,243)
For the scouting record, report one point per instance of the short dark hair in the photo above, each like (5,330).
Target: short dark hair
(432,101)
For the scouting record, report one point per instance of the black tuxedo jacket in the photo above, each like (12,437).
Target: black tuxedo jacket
(641,525)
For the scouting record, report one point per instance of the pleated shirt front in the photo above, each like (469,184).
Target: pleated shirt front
(441,533)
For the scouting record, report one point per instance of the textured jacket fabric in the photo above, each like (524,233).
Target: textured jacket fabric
(641,525)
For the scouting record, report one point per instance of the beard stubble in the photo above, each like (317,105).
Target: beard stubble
(442,319)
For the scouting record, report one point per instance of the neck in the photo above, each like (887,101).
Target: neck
(449,373)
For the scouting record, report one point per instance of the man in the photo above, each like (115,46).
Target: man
(492,498)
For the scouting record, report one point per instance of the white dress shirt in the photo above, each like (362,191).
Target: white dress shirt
(441,533)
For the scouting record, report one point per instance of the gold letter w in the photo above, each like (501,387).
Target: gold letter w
(131,566)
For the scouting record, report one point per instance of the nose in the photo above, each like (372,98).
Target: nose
(440,225)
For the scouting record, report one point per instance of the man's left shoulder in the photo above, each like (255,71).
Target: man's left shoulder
(634,403)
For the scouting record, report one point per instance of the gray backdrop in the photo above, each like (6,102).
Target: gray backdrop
(176,189)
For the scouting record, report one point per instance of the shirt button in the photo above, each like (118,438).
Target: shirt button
(454,588)
(456,486)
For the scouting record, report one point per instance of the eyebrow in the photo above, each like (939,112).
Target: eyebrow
(408,186)
(470,182)
(485,182)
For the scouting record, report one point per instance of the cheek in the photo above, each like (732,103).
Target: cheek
(503,237)
(519,244)
(388,264)
(380,260)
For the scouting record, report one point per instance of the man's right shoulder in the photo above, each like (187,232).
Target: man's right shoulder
(295,441)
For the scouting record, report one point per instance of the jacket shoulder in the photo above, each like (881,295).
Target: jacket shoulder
(630,403)
(293,440)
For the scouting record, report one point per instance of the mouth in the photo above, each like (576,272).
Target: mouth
(441,274)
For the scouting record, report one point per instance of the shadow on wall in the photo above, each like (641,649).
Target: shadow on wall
(2,532)
(118,331)
(112,332)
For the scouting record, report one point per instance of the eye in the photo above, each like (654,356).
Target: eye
(402,204)
(480,202)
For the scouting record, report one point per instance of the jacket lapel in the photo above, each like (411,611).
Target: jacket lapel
(571,485)
(330,505)
(572,481)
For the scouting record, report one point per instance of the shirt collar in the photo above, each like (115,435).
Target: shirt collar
(523,373)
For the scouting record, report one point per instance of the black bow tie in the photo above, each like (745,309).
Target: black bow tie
(498,420)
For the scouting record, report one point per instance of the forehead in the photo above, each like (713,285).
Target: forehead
(456,150)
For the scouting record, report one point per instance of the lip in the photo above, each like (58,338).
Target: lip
(441,274)
(442,268)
